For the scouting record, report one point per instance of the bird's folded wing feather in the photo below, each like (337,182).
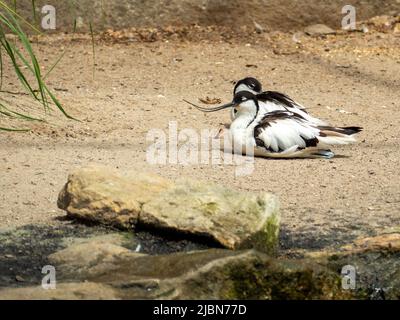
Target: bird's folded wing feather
(280,99)
(281,130)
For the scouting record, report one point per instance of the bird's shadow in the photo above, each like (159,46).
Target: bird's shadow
(341,156)
(337,156)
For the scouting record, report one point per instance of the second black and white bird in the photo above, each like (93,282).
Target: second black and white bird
(278,133)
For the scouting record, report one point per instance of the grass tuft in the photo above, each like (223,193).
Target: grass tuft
(24,63)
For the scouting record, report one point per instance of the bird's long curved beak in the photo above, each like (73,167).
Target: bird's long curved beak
(225,106)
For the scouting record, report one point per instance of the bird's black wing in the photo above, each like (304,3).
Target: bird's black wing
(280,98)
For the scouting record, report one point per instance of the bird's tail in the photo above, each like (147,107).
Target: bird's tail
(350,130)
(343,135)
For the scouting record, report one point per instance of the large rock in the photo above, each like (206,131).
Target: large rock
(102,195)
(188,208)
(91,255)
(389,242)
(376,261)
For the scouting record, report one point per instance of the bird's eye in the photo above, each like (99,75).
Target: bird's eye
(252,85)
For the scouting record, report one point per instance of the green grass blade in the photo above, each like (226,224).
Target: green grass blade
(26,43)
(14,130)
(34,11)
(1,68)
(14,114)
(22,56)
(57,103)
(43,86)
(14,13)
(55,64)
(93,48)
(8,47)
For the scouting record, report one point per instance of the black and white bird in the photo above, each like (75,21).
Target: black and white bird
(278,133)
(272,100)
(247,84)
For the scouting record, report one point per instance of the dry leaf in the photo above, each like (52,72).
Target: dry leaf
(209,100)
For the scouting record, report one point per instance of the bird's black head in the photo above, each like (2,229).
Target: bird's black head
(246,102)
(244,96)
(248,84)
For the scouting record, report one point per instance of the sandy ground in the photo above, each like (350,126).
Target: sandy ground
(346,79)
